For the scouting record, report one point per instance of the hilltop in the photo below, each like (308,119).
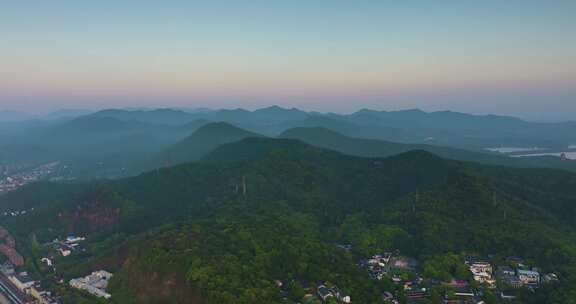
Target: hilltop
(205,139)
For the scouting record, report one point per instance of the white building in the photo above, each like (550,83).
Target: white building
(482,273)
(95,283)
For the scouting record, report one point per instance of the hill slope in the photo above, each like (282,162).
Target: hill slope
(262,209)
(202,141)
(472,131)
(329,139)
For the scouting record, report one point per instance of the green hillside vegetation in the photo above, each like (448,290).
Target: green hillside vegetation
(329,139)
(260,210)
(202,141)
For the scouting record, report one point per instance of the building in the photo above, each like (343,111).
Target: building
(388,297)
(74,239)
(42,297)
(414,295)
(47,261)
(22,281)
(462,295)
(550,278)
(404,263)
(481,267)
(324,293)
(529,277)
(463,292)
(482,273)
(513,281)
(95,283)
(505,271)
(64,252)
(507,275)
(380,260)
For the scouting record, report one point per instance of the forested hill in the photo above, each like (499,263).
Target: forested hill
(259,210)
(202,141)
(330,139)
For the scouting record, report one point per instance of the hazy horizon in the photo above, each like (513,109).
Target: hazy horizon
(501,57)
(60,112)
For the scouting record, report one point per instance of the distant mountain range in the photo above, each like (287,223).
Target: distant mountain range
(410,126)
(15,116)
(414,126)
(163,136)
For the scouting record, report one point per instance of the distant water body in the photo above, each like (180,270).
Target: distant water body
(514,149)
(569,155)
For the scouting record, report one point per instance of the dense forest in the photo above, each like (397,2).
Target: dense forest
(253,213)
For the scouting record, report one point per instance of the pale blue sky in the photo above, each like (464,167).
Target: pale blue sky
(507,57)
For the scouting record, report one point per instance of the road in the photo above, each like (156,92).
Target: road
(9,293)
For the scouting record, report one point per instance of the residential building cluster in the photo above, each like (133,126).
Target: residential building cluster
(95,283)
(388,264)
(325,293)
(317,294)
(484,275)
(68,246)
(520,276)
(463,293)
(17,212)
(23,287)
(377,265)
(513,275)
(20,178)
(401,270)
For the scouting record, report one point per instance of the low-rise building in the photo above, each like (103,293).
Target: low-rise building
(550,278)
(22,281)
(507,275)
(64,252)
(47,261)
(95,283)
(324,293)
(482,273)
(505,271)
(529,277)
(41,296)
(74,239)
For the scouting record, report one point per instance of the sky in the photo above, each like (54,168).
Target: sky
(515,57)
